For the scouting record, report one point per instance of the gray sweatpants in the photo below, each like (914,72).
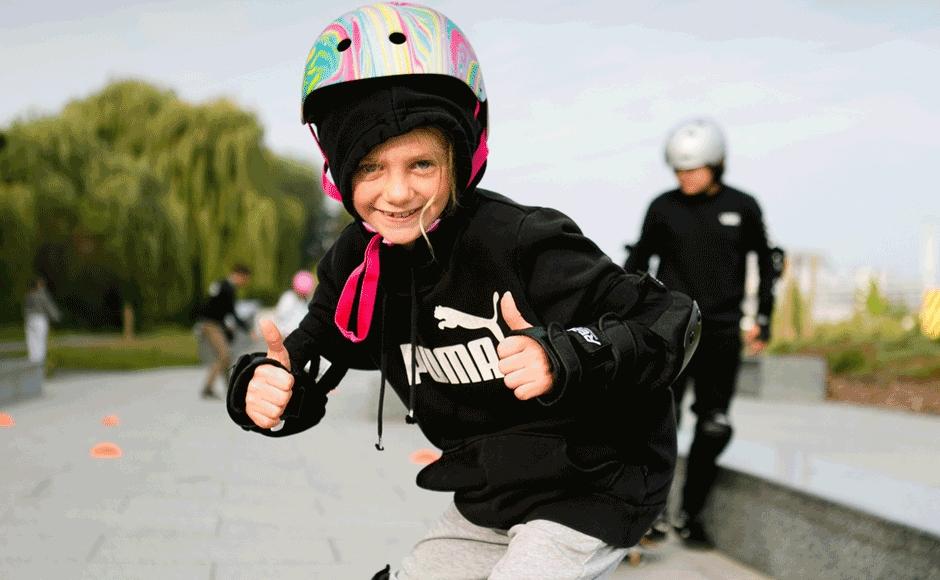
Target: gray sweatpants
(455,549)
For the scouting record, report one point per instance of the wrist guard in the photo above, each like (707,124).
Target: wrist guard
(307,403)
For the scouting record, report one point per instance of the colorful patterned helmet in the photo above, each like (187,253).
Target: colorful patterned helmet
(389,39)
(695,143)
(402,47)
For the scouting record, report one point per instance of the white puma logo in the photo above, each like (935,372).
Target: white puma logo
(450,318)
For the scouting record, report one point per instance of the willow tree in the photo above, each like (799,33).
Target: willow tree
(139,197)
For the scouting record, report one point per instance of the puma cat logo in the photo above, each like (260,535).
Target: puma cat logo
(450,318)
(458,364)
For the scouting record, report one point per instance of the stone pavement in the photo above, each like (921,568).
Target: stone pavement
(194,497)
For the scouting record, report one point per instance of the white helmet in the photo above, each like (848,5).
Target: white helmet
(695,143)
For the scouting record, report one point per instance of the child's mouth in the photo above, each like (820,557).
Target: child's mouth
(399,214)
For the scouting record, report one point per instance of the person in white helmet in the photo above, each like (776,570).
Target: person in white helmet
(702,232)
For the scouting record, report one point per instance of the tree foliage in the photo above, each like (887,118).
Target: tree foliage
(132,196)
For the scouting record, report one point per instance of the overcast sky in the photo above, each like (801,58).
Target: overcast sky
(831,108)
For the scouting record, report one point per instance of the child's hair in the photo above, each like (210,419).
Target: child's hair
(451,176)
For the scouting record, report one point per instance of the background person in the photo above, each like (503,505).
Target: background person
(702,232)
(211,325)
(38,309)
(293,304)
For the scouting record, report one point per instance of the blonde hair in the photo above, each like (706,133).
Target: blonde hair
(450,174)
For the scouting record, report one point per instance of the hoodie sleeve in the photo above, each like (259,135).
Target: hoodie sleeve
(767,269)
(315,337)
(638,259)
(317,334)
(600,325)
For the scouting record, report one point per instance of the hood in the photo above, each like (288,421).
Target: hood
(352,118)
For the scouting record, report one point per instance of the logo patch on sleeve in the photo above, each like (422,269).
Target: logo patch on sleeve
(729,218)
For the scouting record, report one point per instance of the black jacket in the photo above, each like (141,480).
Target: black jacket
(702,242)
(597,452)
(219,304)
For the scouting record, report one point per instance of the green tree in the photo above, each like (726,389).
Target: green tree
(134,200)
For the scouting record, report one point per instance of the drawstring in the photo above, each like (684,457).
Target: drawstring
(368,271)
(378,444)
(410,418)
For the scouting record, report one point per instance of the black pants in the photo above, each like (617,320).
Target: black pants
(713,371)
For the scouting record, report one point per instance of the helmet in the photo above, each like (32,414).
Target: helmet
(303,283)
(389,39)
(428,71)
(695,143)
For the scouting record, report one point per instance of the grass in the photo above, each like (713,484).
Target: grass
(11,332)
(170,346)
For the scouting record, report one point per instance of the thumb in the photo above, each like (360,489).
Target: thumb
(511,314)
(272,336)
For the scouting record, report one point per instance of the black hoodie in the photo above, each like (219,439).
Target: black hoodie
(596,453)
(702,242)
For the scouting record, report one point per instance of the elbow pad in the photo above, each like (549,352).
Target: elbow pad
(680,327)
(307,404)
(675,320)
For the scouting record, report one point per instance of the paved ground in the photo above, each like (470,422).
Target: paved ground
(194,497)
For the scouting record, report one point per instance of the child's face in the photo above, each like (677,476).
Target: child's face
(398,179)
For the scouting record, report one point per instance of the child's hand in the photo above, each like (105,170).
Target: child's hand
(270,388)
(521,359)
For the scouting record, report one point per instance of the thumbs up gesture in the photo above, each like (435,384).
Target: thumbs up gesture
(522,361)
(269,389)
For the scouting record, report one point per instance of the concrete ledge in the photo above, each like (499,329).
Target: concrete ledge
(20,379)
(783,378)
(786,533)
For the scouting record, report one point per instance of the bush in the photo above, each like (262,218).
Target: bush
(847,361)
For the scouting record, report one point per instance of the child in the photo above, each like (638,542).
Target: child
(292,305)
(538,366)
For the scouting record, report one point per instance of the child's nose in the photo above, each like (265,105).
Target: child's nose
(397,190)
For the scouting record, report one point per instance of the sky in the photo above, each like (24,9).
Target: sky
(831,109)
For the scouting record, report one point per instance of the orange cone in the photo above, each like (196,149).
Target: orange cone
(425,456)
(6,421)
(111,421)
(106,450)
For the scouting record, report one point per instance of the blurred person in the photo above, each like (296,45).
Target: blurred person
(293,304)
(212,329)
(702,232)
(538,366)
(38,309)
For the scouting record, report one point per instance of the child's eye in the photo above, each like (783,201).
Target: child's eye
(367,168)
(423,164)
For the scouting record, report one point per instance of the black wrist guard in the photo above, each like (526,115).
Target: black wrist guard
(307,404)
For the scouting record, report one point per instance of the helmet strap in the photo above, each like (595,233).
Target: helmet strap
(329,187)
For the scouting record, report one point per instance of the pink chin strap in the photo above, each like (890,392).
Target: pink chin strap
(368,270)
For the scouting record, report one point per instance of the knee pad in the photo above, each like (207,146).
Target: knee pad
(713,433)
